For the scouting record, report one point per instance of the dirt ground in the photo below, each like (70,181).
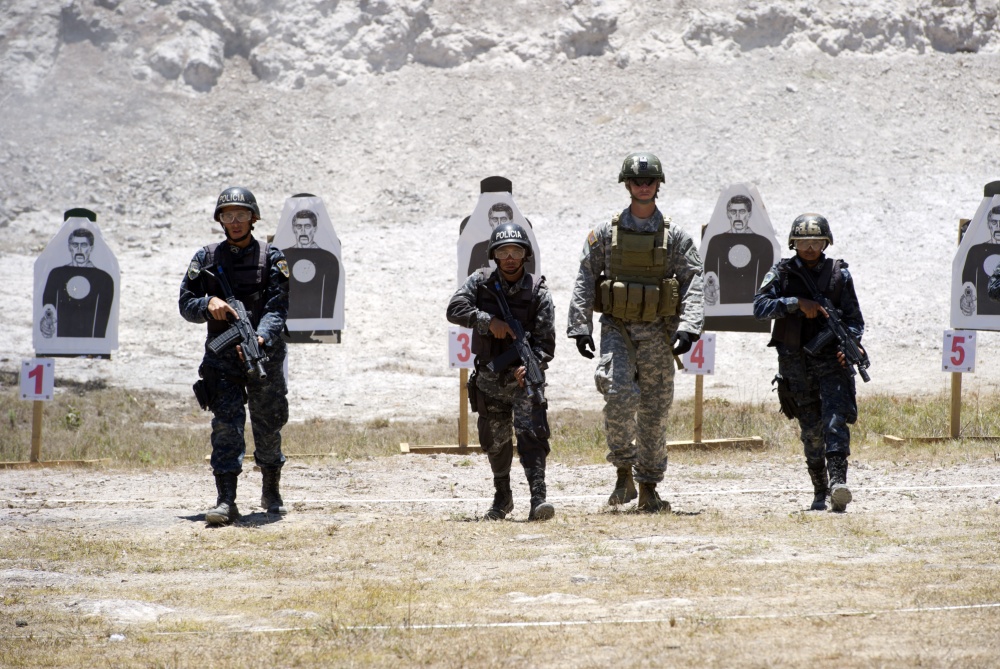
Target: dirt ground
(376,564)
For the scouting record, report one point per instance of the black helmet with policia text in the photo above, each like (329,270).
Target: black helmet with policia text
(237,196)
(509,233)
(809,226)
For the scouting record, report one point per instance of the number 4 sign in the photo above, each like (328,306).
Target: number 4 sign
(460,348)
(701,358)
(959,354)
(37,379)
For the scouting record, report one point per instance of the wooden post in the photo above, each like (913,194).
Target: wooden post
(36,430)
(956,405)
(463,409)
(699,397)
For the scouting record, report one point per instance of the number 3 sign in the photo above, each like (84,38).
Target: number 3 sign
(959,354)
(460,348)
(701,358)
(37,378)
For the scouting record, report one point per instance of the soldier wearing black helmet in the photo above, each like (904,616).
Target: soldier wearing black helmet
(500,397)
(644,275)
(258,275)
(814,387)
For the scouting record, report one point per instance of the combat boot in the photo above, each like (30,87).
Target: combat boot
(650,501)
(840,494)
(540,509)
(624,491)
(225,510)
(503,499)
(821,486)
(270,496)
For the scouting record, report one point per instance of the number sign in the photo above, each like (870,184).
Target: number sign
(959,352)
(37,379)
(701,358)
(460,348)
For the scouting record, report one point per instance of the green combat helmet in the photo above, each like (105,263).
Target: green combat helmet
(809,226)
(641,166)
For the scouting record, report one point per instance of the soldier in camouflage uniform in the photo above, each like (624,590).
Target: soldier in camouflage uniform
(500,397)
(645,276)
(815,387)
(258,275)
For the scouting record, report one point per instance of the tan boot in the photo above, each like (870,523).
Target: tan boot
(649,500)
(624,491)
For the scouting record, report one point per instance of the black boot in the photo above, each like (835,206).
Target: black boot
(840,494)
(540,509)
(503,499)
(821,485)
(624,491)
(270,496)
(225,510)
(650,501)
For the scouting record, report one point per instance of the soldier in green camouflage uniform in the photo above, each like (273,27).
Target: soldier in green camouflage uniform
(500,396)
(645,276)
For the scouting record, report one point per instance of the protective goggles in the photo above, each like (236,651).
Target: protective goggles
(810,244)
(243,216)
(504,252)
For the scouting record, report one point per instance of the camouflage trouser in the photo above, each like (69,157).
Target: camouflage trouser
(825,404)
(637,396)
(226,378)
(505,407)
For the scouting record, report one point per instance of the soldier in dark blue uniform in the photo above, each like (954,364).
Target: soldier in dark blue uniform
(500,397)
(815,388)
(258,275)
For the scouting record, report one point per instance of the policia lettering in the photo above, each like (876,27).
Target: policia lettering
(637,289)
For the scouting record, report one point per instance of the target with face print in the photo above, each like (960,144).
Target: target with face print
(975,262)
(495,207)
(739,247)
(75,305)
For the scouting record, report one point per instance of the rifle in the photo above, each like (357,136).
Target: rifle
(240,332)
(534,381)
(835,329)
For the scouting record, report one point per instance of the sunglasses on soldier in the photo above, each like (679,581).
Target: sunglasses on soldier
(643,182)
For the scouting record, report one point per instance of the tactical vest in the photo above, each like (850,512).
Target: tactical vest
(795,329)
(247,274)
(638,287)
(523,306)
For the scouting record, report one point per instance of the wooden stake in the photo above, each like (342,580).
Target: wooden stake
(699,402)
(956,405)
(463,409)
(36,430)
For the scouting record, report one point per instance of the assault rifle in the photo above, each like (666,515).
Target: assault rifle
(835,329)
(534,381)
(240,332)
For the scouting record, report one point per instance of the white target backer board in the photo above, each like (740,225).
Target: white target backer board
(312,250)
(77,285)
(738,248)
(474,238)
(977,257)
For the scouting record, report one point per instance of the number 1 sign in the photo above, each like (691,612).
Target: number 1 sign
(701,358)
(37,379)
(959,353)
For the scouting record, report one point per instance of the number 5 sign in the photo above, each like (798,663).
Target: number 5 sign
(37,378)
(701,358)
(959,354)
(460,348)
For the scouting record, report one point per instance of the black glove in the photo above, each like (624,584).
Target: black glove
(682,342)
(582,343)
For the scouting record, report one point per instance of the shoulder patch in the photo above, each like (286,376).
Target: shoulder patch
(194,269)
(768,278)
(592,238)
(283,268)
